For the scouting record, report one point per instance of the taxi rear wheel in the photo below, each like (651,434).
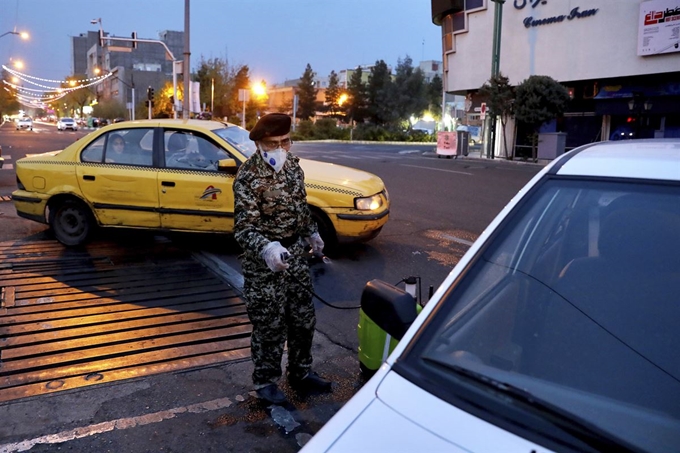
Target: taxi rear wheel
(71,222)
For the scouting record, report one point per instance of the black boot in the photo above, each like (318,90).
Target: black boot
(271,393)
(312,382)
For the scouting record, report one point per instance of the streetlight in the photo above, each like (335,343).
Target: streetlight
(21,34)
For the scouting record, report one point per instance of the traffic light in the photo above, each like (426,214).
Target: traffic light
(134,39)
(149,94)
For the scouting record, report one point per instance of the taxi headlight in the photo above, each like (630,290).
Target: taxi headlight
(368,203)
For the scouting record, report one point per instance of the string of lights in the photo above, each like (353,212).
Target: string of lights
(28,97)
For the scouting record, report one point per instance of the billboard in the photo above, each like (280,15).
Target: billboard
(659,27)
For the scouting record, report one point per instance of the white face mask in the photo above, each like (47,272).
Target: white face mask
(276,158)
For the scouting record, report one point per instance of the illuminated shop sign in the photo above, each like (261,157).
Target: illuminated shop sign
(659,27)
(531,21)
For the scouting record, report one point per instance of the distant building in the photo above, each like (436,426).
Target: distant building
(148,65)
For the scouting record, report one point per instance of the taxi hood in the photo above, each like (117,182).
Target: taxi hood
(324,173)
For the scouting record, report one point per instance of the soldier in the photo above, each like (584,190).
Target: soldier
(273,226)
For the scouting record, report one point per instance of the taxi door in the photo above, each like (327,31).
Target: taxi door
(193,195)
(121,192)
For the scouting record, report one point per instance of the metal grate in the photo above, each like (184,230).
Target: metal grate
(76,317)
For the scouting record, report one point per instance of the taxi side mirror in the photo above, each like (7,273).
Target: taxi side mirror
(227,165)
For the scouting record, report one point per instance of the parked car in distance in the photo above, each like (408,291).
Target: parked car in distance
(66,123)
(177,175)
(118,120)
(24,123)
(556,331)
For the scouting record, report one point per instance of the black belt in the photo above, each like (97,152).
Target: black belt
(290,240)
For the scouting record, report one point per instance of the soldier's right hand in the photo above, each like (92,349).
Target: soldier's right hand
(273,254)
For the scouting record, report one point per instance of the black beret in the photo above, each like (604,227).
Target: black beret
(271,125)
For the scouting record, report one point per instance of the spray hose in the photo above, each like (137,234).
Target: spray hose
(285,256)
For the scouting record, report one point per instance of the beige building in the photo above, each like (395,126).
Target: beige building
(619,59)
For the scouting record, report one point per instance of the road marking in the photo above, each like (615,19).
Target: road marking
(7,157)
(459,240)
(7,167)
(438,169)
(121,423)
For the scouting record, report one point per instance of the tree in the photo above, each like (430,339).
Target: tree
(539,99)
(8,100)
(333,93)
(79,97)
(109,108)
(213,72)
(239,79)
(357,97)
(435,93)
(307,105)
(500,97)
(410,91)
(381,95)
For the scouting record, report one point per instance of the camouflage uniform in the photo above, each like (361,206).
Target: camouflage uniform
(271,206)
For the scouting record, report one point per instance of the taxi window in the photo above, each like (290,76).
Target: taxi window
(189,150)
(129,147)
(94,151)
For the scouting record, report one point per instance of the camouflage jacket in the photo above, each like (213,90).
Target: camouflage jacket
(269,206)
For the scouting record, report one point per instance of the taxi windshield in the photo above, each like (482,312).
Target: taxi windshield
(238,138)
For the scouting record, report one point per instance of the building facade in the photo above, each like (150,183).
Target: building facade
(619,59)
(132,68)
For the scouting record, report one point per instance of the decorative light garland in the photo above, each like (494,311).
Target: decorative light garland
(33,100)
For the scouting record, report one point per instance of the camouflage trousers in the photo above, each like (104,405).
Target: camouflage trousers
(280,310)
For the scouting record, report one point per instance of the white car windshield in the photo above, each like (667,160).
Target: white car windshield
(576,302)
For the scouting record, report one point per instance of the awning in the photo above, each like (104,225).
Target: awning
(648,91)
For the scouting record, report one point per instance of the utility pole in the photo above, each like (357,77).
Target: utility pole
(186,65)
(495,69)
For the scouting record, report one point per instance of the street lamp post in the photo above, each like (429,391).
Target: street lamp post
(21,34)
(495,69)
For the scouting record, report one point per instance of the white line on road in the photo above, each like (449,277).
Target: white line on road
(7,166)
(438,169)
(121,423)
(459,240)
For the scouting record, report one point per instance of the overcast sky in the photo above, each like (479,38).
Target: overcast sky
(275,38)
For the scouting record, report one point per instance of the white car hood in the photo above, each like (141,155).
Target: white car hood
(402,417)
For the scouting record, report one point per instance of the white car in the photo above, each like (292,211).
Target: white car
(66,123)
(24,123)
(557,331)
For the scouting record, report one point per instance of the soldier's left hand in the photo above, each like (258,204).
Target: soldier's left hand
(317,244)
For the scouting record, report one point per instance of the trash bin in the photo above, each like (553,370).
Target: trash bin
(463,142)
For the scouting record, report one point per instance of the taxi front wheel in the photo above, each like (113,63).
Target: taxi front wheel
(71,222)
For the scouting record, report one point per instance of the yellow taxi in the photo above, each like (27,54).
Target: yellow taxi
(177,175)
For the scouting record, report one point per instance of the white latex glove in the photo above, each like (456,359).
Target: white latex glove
(317,244)
(272,254)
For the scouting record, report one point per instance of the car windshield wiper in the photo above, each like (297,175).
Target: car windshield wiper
(574,425)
